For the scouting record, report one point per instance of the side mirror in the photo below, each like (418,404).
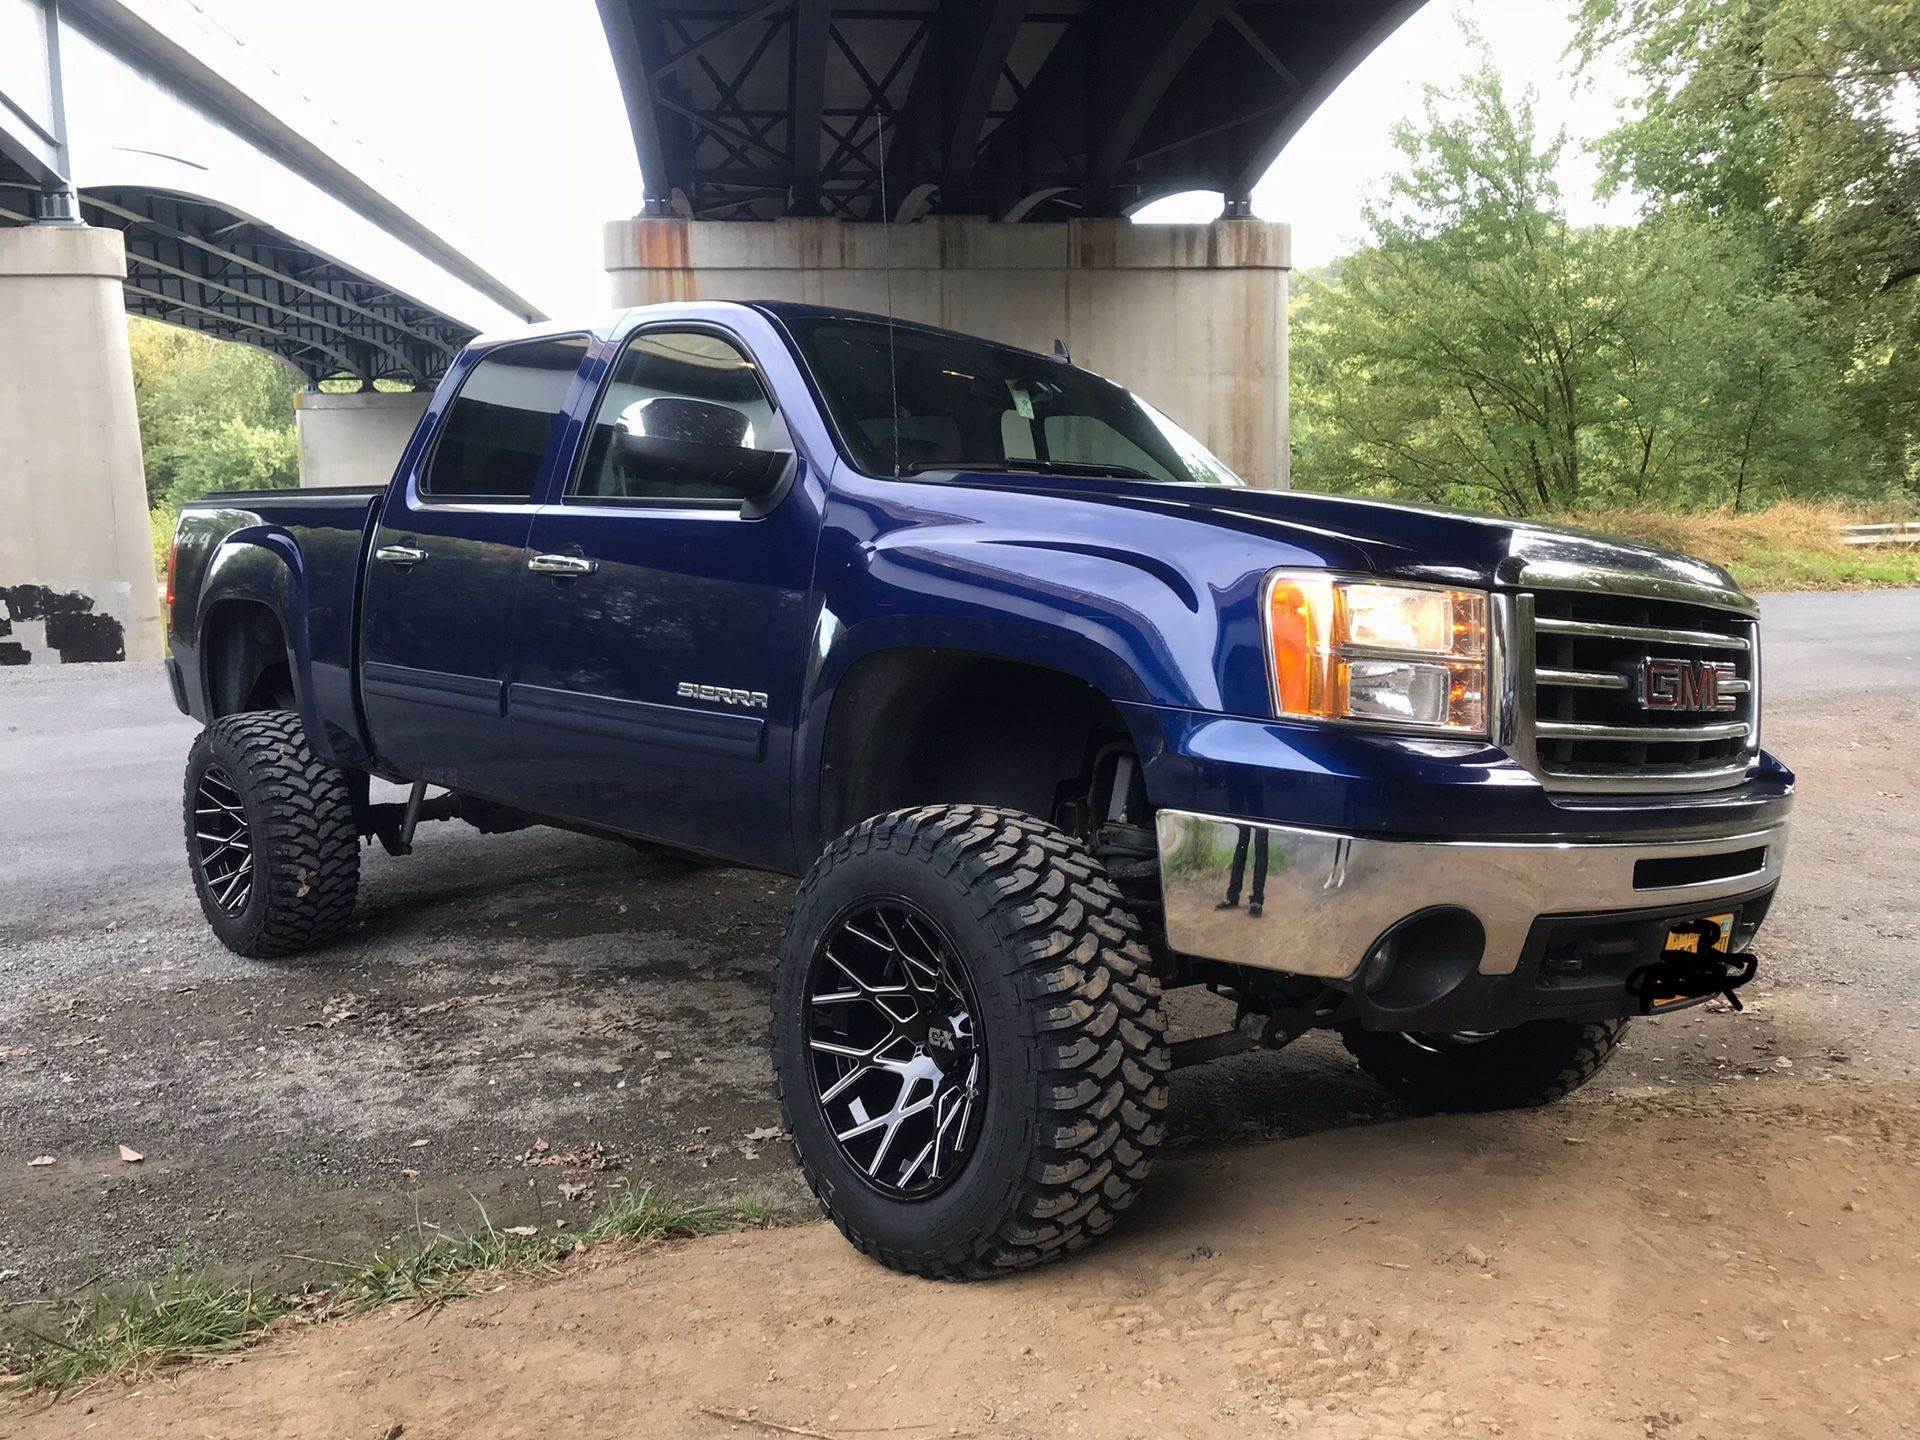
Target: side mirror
(734,469)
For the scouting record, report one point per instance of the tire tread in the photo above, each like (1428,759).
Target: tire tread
(306,846)
(1093,1009)
(1534,1064)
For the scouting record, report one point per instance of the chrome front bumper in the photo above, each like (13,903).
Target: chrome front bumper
(1329,897)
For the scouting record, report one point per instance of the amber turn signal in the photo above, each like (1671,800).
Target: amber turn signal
(1368,652)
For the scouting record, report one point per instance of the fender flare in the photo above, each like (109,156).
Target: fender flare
(262,565)
(837,650)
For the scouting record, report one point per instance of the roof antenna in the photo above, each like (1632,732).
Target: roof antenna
(886,262)
(1060,351)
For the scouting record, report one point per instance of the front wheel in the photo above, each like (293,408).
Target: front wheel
(1532,1064)
(968,1046)
(271,840)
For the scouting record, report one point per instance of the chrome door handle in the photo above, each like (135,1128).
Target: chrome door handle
(402,555)
(565,565)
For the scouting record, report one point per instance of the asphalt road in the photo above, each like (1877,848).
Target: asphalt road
(1854,643)
(538,987)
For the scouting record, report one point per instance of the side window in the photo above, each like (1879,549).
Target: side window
(683,408)
(497,429)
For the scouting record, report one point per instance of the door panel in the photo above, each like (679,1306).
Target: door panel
(448,565)
(678,601)
(655,692)
(635,722)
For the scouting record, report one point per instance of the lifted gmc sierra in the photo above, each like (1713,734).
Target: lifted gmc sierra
(1051,711)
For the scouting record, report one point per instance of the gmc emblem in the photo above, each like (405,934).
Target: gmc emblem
(1685,685)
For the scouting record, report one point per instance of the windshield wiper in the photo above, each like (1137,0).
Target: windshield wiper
(1033,466)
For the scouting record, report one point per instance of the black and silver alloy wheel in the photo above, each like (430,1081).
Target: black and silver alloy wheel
(898,1067)
(271,839)
(967,1041)
(223,843)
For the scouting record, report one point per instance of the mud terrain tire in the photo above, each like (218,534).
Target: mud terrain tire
(1532,1064)
(1056,994)
(303,850)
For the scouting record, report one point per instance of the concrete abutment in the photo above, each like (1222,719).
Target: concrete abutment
(77,573)
(357,437)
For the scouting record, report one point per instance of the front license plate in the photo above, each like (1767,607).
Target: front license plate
(1686,940)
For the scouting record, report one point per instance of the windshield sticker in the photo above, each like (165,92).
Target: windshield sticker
(1022,402)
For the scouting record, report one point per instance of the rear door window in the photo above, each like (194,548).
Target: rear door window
(499,426)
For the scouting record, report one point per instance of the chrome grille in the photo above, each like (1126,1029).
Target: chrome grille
(1581,680)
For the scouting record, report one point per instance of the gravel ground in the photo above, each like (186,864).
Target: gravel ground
(518,1020)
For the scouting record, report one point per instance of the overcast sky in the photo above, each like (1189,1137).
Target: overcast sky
(506,117)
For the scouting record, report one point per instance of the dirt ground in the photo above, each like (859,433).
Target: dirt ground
(502,990)
(1723,1262)
(1715,1238)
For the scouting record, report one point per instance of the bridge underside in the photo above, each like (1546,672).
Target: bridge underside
(196,264)
(193,189)
(1012,109)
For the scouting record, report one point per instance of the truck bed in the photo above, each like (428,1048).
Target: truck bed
(299,553)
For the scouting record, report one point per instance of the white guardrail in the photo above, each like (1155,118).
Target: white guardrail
(1904,532)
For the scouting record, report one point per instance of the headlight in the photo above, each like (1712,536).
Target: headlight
(1411,656)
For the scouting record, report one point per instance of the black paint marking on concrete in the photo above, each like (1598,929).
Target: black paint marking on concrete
(37,602)
(83,638)
(74,632)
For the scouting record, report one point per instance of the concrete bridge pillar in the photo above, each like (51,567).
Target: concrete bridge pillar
(1193,317)
(355,438)
(77,573)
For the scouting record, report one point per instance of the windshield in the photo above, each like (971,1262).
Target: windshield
(950,403)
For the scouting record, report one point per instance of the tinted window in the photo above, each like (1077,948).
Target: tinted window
(497,431)
(685,387)
(908,399)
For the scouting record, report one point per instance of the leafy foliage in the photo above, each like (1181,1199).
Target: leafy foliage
(1808,110)
(213,415)
(1798,120)
(1482,351)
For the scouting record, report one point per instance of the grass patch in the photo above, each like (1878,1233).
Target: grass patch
(186,1316)
(435,1266)
(1789,546)
(195,1315)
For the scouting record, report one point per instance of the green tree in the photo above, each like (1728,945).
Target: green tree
(231,454)
(1482,351)
(1799,119)
(1449,358)
(213,415)
(1728,393)
(1803,109)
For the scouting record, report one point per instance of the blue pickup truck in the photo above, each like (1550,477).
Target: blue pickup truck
(1052,713)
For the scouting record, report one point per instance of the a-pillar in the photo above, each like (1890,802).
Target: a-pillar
(355,438)
(1191,317)
(77,571)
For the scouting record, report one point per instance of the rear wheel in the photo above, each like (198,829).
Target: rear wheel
(270,835)
(968,1045)
(1532,1064)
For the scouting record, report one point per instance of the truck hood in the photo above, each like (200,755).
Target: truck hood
(1407,541)
(1154,592)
